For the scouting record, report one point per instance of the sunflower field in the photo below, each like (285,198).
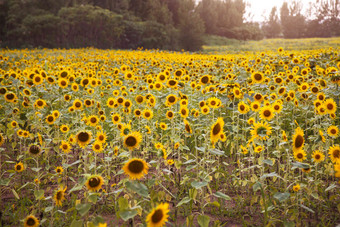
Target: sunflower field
(95,137)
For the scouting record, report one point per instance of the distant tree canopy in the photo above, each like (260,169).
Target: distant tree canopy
(164,24)
(322,20)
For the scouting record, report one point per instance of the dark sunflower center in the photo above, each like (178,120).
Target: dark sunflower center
(267,113)
(333,131)
(336,154)
(101,137)
(94,182)
(59,195)
(171,99)
(65,146)
(30,222)
(88,102)
(258,97)
(120,100)
(258,76)
(298,141)
(170,114)
(139,99)
(63,83)
(162,77)
(184,112)
(97,147)
(172,82)
(93,120)
(217,129)
(205,80)
(187,128)
(317,157)
(315,89)
(10,96)
(18,167)
(147,114)
(34,149)
(299,155)
(37,79)
(136,166)
(127,104)
(281,90)
(50,119)
(115,118)
(131,141)
(83,136)
(330,106)
(276,107)
(85,82)
(77,104)
(242,107)
(157,216)
(213,103)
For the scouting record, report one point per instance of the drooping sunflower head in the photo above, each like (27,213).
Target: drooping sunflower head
(187,127)
(158,216)
(34,149)
(132,140)
(298,140)
(59,196)
(216,130)
(135,168)
(94,183)
(31,221)
(83,138)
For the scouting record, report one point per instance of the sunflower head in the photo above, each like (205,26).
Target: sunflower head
(298,140)
(83,138)
(216,130)
(136,168)
(132,140)
(158,216)
(334,153)
(34,149)
(31,221)
(94,183)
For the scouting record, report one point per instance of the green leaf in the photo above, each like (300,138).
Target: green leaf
(4,182)
(76,188)
(257,186)
(48,209)
(300,165)
(36,169)
(203,220)
(123,203)
(92,198)
(76,223)
(330,187)
(138,188)
(216,152)
(268,162)
(273,174)
(282,196)
(288,224)
(222,195)
(199,185)
(83,208)
(39,194)
(127,214)
(307,208)
(183,201)
(15,194)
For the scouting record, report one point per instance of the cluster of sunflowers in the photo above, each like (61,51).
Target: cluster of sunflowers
(145,133)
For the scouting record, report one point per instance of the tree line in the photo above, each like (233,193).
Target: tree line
(163,24)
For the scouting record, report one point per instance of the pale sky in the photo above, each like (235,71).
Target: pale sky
(260,9)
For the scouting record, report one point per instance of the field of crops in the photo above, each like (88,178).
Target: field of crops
(153,138)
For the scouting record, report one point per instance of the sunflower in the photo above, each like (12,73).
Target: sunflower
(63,83)
(214,102)
(205,110)
(318,156)
(333,131)
(172,83)
(88,102)
(64,128)
(132,140)
(39,103)
(139,99)
(243,108)
(205,80)
(170,114)
(77,104)
(94,183)
(258,97)
(163,126)
(187,127)
(257,77)
(330,105)
(31,221)
(83,138)
(147,114)
(34,150)
(184,111)
(50,119)
(267,113)
(261,130)
(277,107)
(116,118)
(19,167)
(101,137)
(2,140)
(284,136)
(258,149)
(97,147)
(323,139)
(65,146)
(59,170)
(158,216)
(296,188)
(56,113)
(92,120)
(255,106)
(171,100)
(216,130)
(59,196)
(300,155)
(334,153)
(298,140)
(135,168)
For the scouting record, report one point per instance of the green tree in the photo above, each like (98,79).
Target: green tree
(272,27)
(292,21)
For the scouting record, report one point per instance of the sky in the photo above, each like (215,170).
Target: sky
(260,9)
